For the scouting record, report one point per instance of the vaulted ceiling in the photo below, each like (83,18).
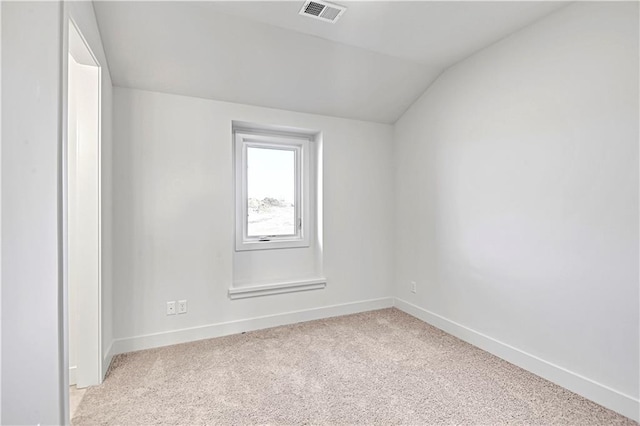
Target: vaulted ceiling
(370,65)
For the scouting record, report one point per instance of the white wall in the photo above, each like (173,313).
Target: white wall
(73,234)
(83,15)
(31,349)
(517,195)
(83,213)
(0,214)
(33,53)
(174,211)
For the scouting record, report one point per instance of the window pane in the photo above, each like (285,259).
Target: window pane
(271,192)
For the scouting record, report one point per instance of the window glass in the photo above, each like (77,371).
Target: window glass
(271,189)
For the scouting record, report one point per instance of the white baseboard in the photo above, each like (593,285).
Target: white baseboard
(597,392)
(167,338)
(72,375)
(106,361)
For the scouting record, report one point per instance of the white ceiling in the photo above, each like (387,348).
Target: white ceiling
(371,65)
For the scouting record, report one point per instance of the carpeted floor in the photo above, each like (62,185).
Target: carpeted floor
(381,367)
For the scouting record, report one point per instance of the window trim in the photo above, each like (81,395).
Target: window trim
(244,139)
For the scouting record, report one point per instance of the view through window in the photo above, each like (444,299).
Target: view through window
(271,189)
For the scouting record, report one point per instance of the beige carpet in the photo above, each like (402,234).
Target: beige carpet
(381,367)
(75,397)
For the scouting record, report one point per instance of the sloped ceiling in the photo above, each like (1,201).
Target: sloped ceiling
(371,65)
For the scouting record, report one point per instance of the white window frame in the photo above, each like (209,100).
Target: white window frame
(245,139)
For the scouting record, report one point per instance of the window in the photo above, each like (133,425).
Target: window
(272,191)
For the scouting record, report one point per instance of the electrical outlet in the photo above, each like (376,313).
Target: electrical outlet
(413,286)
(171,308)
(182,306)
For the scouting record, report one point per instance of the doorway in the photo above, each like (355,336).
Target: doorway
(83,213)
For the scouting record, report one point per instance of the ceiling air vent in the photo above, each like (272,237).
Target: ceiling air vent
(322,10)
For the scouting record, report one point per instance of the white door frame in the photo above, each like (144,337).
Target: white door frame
(89,337)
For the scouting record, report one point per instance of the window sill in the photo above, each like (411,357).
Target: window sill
(277,288)
(272,244)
